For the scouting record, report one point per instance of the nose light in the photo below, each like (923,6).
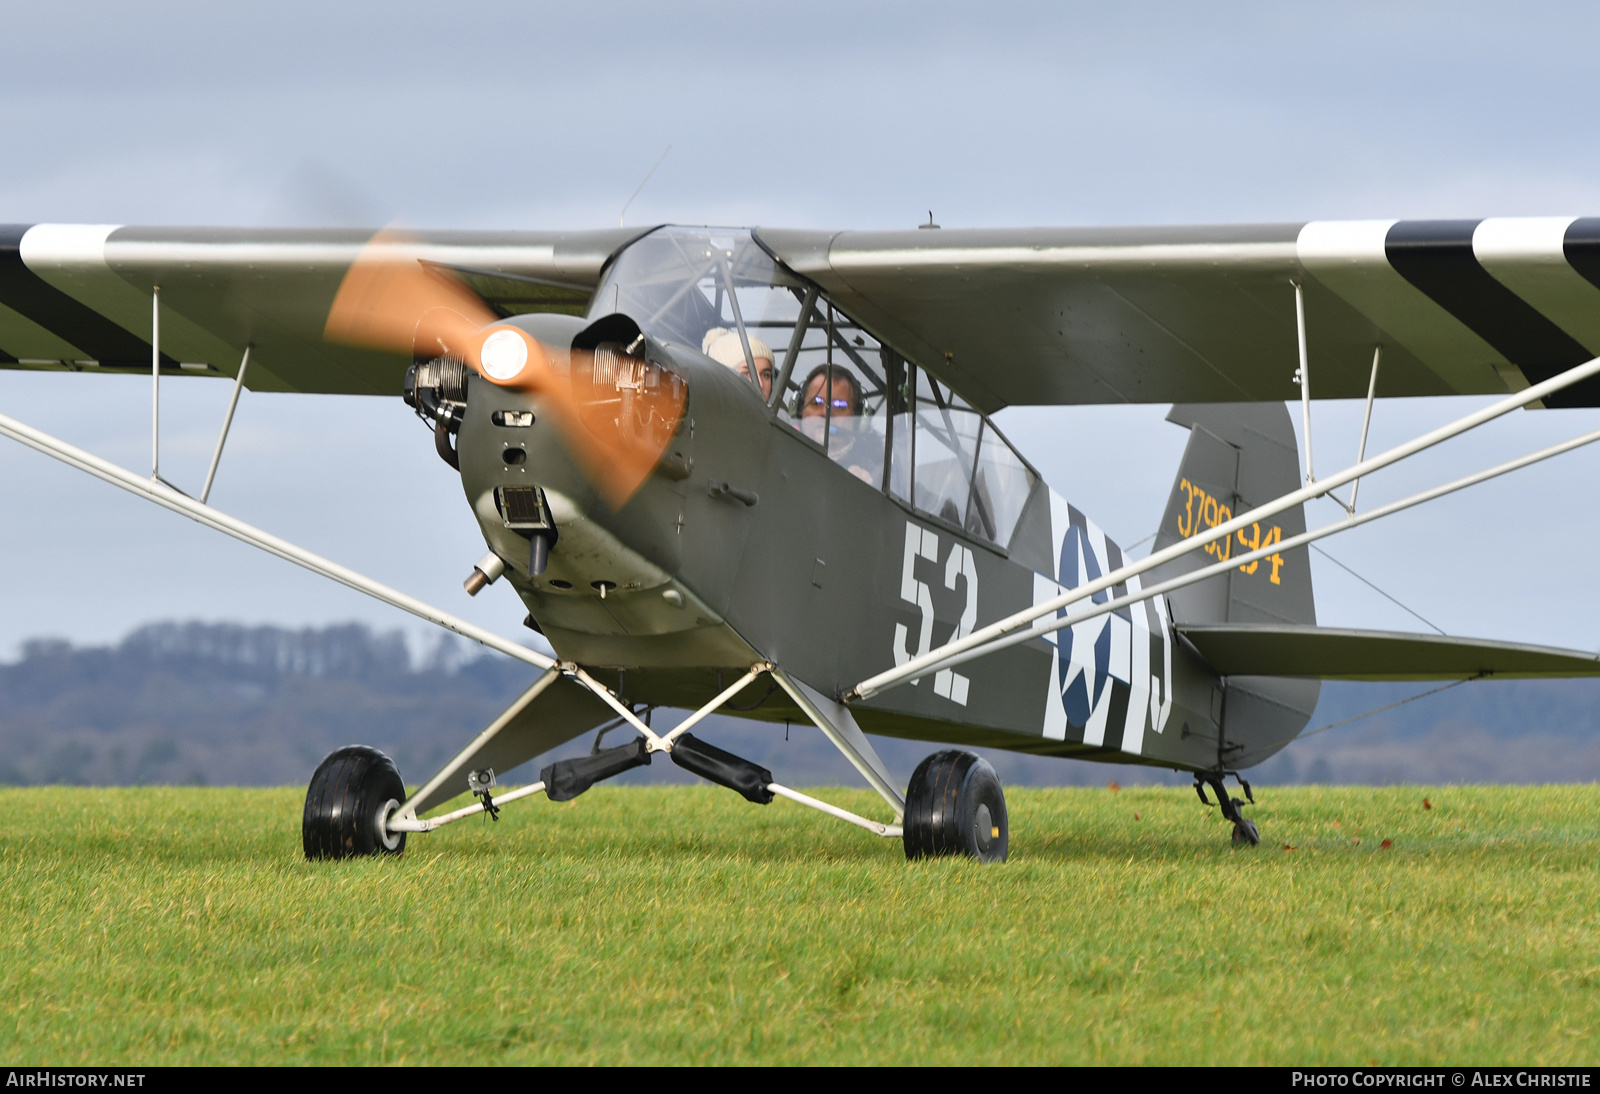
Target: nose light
(504,354)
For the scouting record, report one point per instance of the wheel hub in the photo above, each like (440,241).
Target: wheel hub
(390,840)
(984,827)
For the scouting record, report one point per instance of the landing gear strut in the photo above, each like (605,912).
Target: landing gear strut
(1244,830)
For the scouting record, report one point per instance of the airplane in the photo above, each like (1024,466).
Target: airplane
(756,472)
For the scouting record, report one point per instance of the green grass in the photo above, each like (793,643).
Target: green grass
(162,926)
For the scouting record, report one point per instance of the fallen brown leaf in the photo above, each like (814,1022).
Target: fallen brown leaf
(1114,786)
(1426,804)
(1386,844)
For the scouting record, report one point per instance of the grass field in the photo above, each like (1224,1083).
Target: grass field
(682,925)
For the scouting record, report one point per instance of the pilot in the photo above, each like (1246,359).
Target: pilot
(842,391)
(724,347)
(831,399)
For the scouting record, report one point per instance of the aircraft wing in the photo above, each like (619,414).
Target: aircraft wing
(1007,316)
(1206,315)
(1330,653)
(76,296)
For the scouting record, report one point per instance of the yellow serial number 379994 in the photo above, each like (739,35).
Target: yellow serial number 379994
(1204,510)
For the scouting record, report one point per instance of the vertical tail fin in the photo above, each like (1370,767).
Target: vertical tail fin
(1240,455)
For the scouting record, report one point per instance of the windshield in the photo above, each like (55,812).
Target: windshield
(691,286)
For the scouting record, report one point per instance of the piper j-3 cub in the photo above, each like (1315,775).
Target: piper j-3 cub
(755,471)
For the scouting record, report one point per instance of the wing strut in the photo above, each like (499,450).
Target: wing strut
(1366,421)
(838,726)
(985,637)
(227,423)
(168,497)
(155,385)
(1303,377)
(1343,525)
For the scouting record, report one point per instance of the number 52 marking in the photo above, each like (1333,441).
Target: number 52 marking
(922,543)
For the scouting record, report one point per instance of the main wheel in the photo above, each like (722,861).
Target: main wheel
(954,806)
(1246,832)
(351,797)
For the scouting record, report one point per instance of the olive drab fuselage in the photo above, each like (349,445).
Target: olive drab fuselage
(750,544)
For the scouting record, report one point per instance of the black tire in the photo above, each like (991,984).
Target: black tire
(1246,832)
(353,791)
(955,806)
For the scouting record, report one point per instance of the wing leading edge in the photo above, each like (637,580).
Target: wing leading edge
(76,296)
(1102,315)
(1330,653)
(1008,316)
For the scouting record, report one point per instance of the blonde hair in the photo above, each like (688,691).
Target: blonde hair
(723,347)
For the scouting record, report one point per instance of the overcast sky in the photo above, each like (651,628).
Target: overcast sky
(807,115)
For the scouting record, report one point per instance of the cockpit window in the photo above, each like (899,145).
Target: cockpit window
(711,289)
(889,423)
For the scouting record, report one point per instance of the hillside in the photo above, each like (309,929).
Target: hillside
(223,704)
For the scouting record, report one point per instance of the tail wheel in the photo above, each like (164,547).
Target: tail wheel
(954,806)
(351,797)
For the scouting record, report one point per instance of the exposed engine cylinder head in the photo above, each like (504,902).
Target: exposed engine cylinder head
(436,387)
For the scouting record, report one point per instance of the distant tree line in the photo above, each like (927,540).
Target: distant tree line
(225,704)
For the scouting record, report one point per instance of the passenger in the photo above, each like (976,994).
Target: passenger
(831,400)
(724,347)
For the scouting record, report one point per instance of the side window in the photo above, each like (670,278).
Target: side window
(887,422)
(1000,488)
(951,461)
(944,448)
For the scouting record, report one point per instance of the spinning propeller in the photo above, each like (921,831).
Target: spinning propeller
(616,413)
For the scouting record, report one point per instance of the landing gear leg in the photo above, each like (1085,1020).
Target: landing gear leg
(1244,829)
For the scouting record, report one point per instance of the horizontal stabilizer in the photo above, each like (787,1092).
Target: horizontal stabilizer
(1331,653)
